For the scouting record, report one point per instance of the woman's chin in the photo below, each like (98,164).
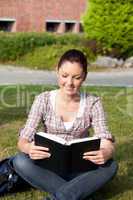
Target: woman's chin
(70,92)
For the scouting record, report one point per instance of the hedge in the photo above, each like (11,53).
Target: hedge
(15,45)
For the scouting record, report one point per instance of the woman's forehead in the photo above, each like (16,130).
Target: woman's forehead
(69,67)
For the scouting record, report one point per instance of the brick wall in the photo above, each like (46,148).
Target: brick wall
(65,9)
(30,15)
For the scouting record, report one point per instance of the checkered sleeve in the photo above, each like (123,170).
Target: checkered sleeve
(34,117)
(99,123)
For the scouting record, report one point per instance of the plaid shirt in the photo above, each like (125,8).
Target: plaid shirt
(42,110)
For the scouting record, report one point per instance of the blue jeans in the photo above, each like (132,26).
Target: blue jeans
(71,186)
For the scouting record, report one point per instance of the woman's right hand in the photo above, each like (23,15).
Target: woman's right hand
(38,152)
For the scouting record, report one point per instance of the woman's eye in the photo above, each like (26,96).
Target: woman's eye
(77,78)
(64,76)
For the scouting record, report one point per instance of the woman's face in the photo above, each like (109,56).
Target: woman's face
(70,77)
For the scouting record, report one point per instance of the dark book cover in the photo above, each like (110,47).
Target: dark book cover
(66,157)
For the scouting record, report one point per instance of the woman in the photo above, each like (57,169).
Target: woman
(68,113)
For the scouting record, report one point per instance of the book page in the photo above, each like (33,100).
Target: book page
(53,137)
(78,140)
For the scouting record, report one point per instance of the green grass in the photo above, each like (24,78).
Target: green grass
(15,103)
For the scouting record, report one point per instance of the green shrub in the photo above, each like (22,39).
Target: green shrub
(39,50)
(110,23)
(74,39)
(46,57)
(15,45)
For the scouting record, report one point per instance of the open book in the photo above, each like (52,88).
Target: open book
(66,157)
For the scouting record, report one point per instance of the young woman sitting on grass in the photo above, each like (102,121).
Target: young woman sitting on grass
(68,113)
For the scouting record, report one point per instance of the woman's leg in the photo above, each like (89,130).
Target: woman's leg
(87,183)
(38,177)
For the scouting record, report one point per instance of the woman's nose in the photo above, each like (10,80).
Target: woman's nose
(70,81)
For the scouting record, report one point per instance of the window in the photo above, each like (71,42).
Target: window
(52,26)
(62,26)
(69,27)
(6,25)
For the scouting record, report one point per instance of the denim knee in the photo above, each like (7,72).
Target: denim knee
(21,163)
(113,167)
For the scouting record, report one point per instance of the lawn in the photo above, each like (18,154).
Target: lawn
(15,102)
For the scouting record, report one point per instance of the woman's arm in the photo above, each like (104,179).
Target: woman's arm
(35,152)
(34,117)
(99,122)
(100,127)
(26,135)
(108,148)
(23,145)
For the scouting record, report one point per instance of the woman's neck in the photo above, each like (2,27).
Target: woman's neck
(68,98)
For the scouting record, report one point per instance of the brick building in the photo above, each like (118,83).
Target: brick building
(41,15)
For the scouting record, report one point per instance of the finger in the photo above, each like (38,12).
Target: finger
(40,148)
(91,153)
(39,155)
(96,160)
(90,157)
(33,152)
(38,152)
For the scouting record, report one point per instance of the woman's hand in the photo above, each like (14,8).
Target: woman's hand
(101,156)
(38,152)
(98,157)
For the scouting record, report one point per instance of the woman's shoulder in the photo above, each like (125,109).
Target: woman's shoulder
(45,95)
(91,97)
(91,100)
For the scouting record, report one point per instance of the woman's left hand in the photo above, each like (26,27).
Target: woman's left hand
(100,157)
